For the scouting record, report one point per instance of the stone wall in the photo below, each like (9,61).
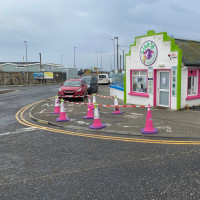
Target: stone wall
(20,78)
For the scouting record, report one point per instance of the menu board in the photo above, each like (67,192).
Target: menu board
(150,80)
(174,77)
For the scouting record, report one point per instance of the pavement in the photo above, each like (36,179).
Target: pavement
(170,124)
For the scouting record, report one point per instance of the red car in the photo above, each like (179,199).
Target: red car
(73,88)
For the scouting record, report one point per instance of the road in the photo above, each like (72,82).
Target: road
(41,164)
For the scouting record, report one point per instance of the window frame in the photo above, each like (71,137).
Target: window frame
(193,96)
(141,94)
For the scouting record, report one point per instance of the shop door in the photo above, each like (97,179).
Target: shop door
(163,88)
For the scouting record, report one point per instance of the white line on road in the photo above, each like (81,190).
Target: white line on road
(19,131)
(130,126)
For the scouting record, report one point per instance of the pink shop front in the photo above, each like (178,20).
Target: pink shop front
(163,71)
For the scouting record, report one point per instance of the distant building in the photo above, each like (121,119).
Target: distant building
(68,72)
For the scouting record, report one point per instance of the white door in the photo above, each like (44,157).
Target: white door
(163,85)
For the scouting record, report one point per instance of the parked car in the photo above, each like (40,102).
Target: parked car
(103,79)
(110,79)
(73,88)
(92,83)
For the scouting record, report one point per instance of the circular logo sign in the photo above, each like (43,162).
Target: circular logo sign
(148,53)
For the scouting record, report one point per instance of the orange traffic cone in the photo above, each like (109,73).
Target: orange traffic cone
(90,114)
(57,107)
(116,109)
(97,122)
(63,116)
(149,124)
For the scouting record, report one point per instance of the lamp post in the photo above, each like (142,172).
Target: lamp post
(74,56)
(117,53)
(40,61)
(61,58)
(114,51)
(26,60)
(101,56)
(109,60)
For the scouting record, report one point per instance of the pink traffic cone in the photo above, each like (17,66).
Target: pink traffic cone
(97,122)
(149,124)
(63,116)
(116,109)
(90,114)
(57,106)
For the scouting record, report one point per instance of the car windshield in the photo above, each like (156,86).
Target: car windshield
(72,83)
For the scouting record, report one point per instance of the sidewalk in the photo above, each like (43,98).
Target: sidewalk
(171,124)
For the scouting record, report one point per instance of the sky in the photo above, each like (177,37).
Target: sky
(54,27)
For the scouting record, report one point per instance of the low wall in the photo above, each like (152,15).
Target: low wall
(20,78)
(115,90)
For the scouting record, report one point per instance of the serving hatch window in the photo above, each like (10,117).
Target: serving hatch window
(139,81)
(192,82)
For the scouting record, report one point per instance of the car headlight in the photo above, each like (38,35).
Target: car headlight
(60,90)
(79,89)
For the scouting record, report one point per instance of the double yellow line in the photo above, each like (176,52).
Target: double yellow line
(20,119)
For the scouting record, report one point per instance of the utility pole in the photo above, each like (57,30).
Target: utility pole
(120,70)
(101,56)
(123,61)
(117,53)
(61,59)
(114,51)
(74,57)
(40,62)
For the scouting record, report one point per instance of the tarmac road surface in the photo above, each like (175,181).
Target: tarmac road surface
(40,164)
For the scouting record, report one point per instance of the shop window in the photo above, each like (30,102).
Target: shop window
(139,81)
(192,82)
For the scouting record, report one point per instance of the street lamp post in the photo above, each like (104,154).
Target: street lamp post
(117,53)
(109,60)
(74,56)
(101,56)
(40,61)
(26,60)
(114,51)
(61,58)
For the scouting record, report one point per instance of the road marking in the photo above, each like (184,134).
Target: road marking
(42,111)
(48,105)
(130,126)
(82,122)
(19,131)
(20,119)
(168,128)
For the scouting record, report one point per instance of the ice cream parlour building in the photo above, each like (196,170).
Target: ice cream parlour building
(163,71)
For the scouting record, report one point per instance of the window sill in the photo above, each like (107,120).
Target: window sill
(192,97)
(138,94)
